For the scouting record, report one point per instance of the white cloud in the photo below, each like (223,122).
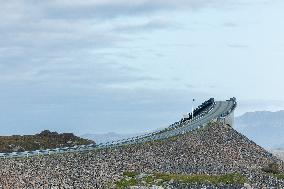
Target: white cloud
(65,51)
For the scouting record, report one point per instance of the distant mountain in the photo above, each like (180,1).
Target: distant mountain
(107,137)
(264,127)
(43,140)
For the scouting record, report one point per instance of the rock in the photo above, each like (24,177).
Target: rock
(157,187)
(247,186)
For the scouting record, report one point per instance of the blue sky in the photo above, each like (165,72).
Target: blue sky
(130,66)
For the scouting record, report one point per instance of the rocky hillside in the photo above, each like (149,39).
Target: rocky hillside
(43,140)
(216,155)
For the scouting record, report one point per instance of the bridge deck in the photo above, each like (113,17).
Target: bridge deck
(219,109)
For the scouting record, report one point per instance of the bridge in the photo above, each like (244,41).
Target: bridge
(210,110)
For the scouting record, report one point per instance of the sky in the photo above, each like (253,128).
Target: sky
(127,66)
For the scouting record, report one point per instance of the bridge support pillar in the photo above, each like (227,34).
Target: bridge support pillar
(227,120)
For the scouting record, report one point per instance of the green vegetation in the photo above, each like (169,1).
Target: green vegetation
(124,183)
(214,179)
(43,140)
(130,174)
(133,179)
(279,176)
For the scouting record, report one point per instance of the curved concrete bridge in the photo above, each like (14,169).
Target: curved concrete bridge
(222,111)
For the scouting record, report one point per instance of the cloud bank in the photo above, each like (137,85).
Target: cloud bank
(73,64)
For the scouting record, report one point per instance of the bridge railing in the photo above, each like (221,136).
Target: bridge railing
(175,129)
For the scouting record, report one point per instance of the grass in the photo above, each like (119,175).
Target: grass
(124,183)
(130,174)
(131,179)
(278,176)
(213,179)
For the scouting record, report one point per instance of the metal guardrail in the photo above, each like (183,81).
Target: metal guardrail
(175,129)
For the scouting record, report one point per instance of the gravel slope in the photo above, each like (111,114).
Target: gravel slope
(216,149)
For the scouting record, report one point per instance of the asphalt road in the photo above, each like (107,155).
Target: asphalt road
(215,111)
(219,108)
